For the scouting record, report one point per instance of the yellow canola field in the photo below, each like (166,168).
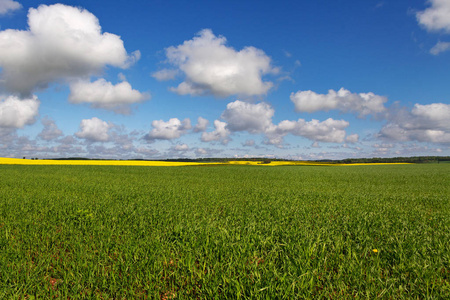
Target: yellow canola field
(17,161)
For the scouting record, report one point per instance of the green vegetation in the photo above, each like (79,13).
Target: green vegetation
(413,159)
(219,232)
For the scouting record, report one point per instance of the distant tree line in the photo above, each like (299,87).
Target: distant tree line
(265,160)
(413,159)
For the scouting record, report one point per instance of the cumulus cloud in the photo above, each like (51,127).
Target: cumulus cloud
(434,116)
(94,130)
(436,17)
(7,6)
(62,43)
(172,129)
(343,100)
(424,123)
(329,131)
(50,131)
(211,67)
(202,124)
(257,118)
(220,133)
(16,112)
(242,116)
(440,47)
(103,94)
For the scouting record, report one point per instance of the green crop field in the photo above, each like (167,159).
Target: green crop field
(225,232)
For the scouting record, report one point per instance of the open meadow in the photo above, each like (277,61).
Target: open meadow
(225,231)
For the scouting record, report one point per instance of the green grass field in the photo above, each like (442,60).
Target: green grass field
(217,232)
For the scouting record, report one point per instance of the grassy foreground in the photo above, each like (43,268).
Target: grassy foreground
(216,232)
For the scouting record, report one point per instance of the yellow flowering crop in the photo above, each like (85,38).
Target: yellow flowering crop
(17,161)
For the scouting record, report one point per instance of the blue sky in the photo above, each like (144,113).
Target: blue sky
(168,79)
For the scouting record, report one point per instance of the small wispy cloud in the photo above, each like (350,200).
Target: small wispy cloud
(440,47)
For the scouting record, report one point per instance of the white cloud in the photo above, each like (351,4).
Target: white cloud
(94,130)
(343,100)
(103,94)
(220,133)
(202,124)
(257,118)
(242,116)
(436,17)
(329,131)
(16,113)
(185,88)
(432,116)
(353,138)
(50,131)
(213,68)
(165,74)
(7,6)
(440,47)
(424,123)
(172,129)
(62,43)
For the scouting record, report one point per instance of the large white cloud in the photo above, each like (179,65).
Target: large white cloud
(62,43)
(211,67)
(7,6)
(94,130)
(257,118)
(343,100)
(330,130)
(172,129)
(436,17)
(103,94)
(431,116)
(16,113)
(242,116)
(424,123)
